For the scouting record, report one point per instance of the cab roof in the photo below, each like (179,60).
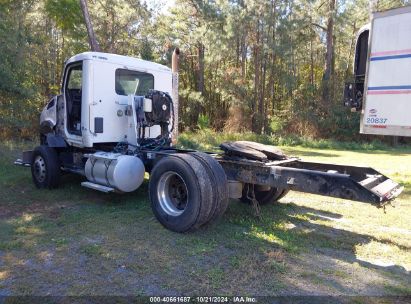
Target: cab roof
(120,60)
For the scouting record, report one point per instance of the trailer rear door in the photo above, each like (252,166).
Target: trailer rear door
(387,107)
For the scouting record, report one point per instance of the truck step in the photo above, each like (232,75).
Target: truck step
(97,187)
(370,181)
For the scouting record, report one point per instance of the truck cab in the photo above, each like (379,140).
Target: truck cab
(95,94)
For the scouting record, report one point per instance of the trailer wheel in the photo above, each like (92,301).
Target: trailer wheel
(179,190)
(45,167)
(263,197)
(220,185)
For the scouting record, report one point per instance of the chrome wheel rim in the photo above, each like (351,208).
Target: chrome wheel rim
(39,169)
(172,193)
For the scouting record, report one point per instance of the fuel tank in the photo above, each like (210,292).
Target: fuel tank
(124,173)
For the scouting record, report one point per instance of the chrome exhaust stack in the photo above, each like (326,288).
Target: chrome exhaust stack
(174,70)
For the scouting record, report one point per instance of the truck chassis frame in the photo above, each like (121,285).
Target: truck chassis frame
(361,184)
(219,177)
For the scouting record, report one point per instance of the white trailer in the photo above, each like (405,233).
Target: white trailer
(382,70)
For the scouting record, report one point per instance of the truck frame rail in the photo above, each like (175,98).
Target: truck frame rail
(347,182)
(361,184)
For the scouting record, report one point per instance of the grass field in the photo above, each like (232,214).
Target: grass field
(75,241)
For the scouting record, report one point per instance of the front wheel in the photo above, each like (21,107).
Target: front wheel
(45,167)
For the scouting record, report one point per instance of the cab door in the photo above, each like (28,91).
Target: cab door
(108,122)
(73,98)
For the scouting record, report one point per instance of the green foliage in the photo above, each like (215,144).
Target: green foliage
(341,123)
(66,13)
(190,104)
(14,35)
(276,124)
(203,122)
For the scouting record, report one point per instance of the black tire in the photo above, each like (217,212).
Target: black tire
(45,167)
(219,185)
(283,193)
(264,197)
(179,190)
(236,149)
(272,152)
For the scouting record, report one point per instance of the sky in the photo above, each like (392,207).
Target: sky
(164,5)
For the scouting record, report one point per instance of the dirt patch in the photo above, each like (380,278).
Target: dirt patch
(18,210)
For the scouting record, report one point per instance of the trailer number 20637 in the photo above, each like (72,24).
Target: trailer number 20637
(375,120)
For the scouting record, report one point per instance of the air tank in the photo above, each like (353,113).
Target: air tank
(124,173)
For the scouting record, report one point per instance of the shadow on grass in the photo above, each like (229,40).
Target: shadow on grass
(290,227)
(118,229)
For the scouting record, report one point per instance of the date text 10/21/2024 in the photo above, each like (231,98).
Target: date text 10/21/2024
(206,299)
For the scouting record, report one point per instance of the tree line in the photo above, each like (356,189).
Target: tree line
(266,66)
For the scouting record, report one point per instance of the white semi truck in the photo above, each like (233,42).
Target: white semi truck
(115,120)
(382,70)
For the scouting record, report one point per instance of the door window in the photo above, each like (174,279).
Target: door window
(73,91)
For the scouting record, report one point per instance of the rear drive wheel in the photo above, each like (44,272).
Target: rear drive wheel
(220,184)
(263,196)
(180,191)
(45,167)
